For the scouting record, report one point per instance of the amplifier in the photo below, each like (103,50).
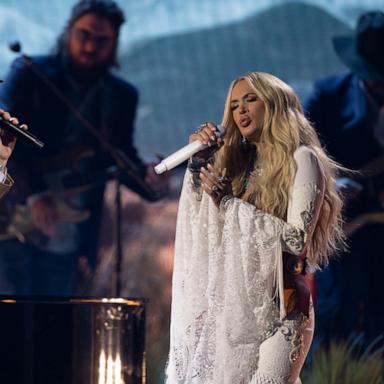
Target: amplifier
(72,340)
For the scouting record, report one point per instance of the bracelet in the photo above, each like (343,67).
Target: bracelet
(194,165)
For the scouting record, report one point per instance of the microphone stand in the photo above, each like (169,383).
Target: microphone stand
(119,243)
(124,164)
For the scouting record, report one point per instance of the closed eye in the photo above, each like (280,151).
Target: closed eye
(250,97)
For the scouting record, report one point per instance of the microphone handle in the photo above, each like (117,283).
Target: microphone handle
(20,133)
(179,156)
(183,154)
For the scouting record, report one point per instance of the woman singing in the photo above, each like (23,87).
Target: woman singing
(256,210)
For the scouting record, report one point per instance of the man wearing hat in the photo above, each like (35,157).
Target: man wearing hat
(348,113)
(85,115)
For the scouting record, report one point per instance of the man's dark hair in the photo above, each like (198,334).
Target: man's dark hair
(103,8)
(107,9)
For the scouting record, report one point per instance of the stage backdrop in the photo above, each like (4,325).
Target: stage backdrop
(181,55)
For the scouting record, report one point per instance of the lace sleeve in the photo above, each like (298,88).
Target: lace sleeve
(194,166)
(306,197)
(294,234)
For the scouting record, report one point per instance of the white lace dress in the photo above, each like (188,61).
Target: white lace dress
(228,322)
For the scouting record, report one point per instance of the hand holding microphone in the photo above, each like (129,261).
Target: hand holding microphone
(203,143)
(7,140)
(210,136)
(10,128)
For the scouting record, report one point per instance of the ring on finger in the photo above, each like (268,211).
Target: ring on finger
(200,128)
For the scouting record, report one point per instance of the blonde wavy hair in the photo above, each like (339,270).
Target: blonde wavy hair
(285,129)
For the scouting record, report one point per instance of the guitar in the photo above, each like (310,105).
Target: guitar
(66,169)
(21,223)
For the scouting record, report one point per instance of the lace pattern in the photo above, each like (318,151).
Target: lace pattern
(227,298)
(283,353)
(224,289)
(302,217)
(294,239)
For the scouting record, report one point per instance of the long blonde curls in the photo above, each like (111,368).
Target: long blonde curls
(285,129)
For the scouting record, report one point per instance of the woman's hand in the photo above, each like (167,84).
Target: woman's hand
(7,141)
(215,183)
(207,134)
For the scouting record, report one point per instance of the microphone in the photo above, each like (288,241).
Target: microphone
(183,154)
(20,133)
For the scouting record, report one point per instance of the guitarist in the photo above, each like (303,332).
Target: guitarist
(79,69)
(348,113)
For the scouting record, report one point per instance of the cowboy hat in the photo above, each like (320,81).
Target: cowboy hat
(363,52)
